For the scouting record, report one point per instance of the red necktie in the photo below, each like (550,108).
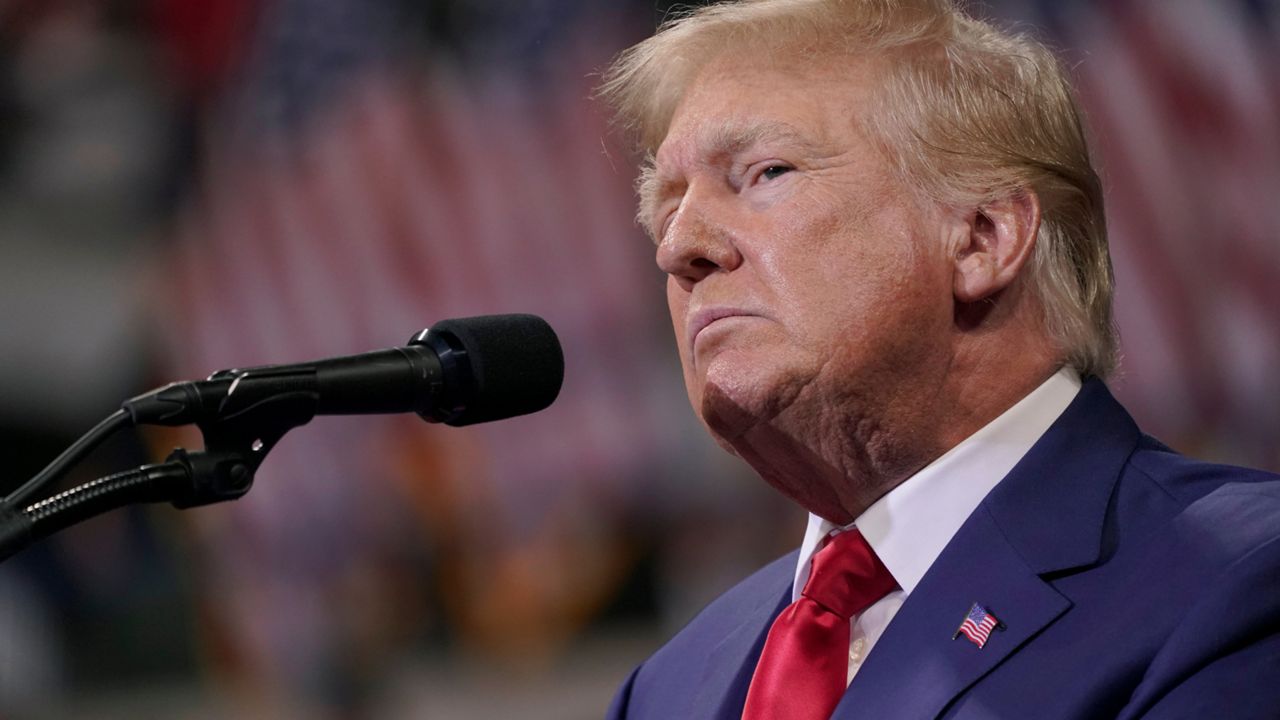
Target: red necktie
(802,671)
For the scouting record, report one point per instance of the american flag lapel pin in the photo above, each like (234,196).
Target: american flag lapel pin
(977,625)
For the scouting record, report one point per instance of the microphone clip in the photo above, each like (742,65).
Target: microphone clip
(234,448)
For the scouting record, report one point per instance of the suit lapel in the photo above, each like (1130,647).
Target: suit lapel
(917,667)
(1046,516)
(730,664)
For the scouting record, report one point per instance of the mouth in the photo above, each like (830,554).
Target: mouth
(705,318)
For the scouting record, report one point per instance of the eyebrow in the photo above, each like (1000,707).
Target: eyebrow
(728,140)
(647,188)
(722,141)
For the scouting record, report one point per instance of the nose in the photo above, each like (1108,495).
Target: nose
(695,246)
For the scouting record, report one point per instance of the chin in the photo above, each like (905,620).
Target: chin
(722,412)
(737,397)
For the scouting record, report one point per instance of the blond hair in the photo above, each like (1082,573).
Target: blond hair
(968,114)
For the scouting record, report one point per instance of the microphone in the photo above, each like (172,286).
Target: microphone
(459,372)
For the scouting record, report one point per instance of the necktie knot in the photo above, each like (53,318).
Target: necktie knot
(847,577)
(805,660)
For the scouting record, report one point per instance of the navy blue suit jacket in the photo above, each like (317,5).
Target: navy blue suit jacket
(1133,583)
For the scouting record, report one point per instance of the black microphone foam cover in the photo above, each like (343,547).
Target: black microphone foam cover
(516,362)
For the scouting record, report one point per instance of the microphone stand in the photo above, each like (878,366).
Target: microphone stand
(235,447)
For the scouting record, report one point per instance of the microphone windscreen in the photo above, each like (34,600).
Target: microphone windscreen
(516,362)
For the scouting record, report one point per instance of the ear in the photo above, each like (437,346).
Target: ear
(1000,236)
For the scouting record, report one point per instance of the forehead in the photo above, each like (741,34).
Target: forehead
(739,100)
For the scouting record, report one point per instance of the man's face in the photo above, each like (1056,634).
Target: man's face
(803,278)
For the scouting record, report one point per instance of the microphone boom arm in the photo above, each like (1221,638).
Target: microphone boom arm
(235,447)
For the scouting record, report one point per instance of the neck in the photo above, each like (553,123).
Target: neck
(840,453)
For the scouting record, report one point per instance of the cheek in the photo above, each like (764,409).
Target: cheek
(862,283)
(898,311)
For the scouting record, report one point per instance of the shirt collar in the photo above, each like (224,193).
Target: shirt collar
(909,527)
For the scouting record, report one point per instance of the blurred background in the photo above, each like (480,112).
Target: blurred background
(188,186)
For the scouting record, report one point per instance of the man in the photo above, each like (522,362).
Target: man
(891,292)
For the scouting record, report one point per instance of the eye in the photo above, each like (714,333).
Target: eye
(664,225)
(662,222)
(773,172)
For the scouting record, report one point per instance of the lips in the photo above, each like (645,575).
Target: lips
(704,317)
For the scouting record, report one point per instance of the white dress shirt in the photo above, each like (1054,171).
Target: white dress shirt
(909,527)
